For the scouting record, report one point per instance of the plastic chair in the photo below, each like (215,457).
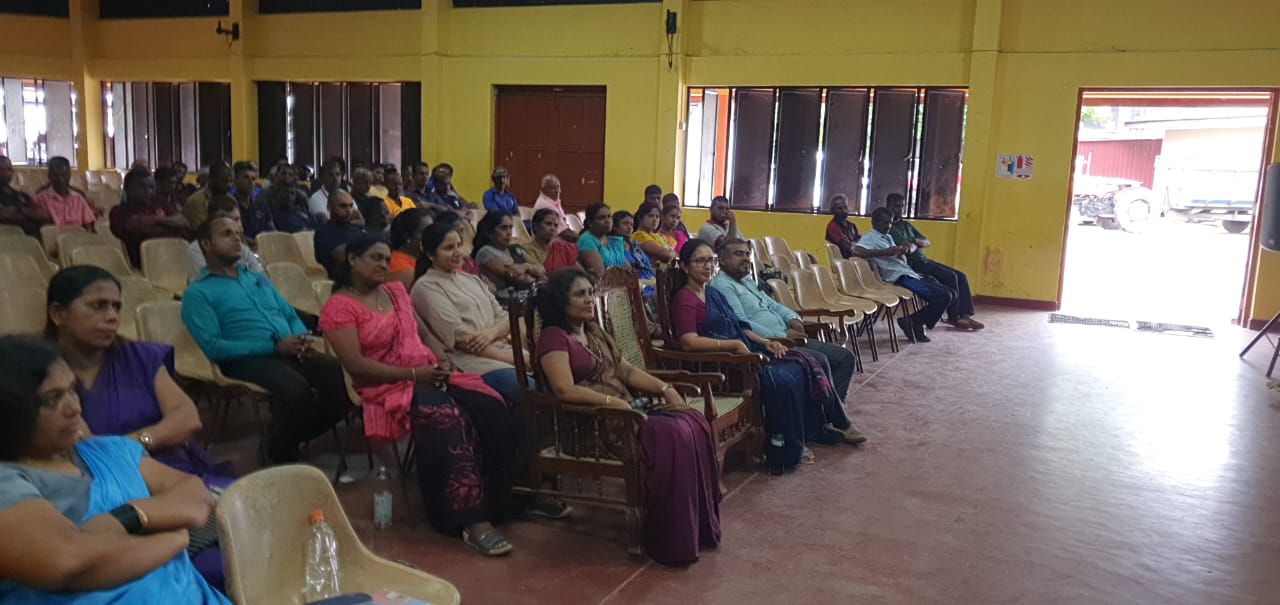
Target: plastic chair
(21,270)
(833,253)
(804,260)
(307,246)
(822,323)
(22,311)
(28,246)
(294,286)
(827,284)
(136,291)
(275,247)
(68,243)
(850,281)
(79,180)
(11,231)
(323,289)
(809,295)
(263,523)
(784,263)
(758,250)
(776,246)
(575,223)
(107,257)
(519,234)
(164,262)
(526,213)
(871,278)
(49,237)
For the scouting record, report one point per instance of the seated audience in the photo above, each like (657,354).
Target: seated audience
(127,388)
(86,520)
(395,201)
(459,316)
(443,193)
(344,225)
(241,323)
(500,198)
(466,232)
(373,209)
(145,214)
(329,181)
(799,399)
(290,210)
(406,244)
(959,314)
(222,206)
(552,252)
(624,226)
(549,199)
(722,226)
(671,223)
(583,367)
(660,246)
(379,186)
(185,189)
(653,194)
(840,231)
(597,249)
(769,318)
(15,206)
(59,203)
(496,255)
(890,260)
(219,182)
(419,184)
(255,216)
(169,188)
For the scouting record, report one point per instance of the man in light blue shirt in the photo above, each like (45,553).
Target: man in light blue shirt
(891,260)
(768,317)
(241,323)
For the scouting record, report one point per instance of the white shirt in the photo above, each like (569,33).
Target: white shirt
(319,203)
(890,267)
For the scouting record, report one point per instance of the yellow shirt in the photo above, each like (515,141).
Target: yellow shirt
(662,239)
(394,208)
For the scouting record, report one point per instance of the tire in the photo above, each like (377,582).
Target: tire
(1108,223)
(1235,226)
(1133,214)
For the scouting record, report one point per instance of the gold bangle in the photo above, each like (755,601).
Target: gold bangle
(142,516)
(414,372)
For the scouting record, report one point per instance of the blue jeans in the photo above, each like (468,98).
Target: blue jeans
(506,383)
(937,298)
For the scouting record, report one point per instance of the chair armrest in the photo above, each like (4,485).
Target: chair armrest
(547,401)
(789,342)
(732,358)
(707,379)
(814,329)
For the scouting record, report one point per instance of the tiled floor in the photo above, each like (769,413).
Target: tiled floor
(1030,463)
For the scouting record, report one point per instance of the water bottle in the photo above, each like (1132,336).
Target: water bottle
(322,561)
(382,500)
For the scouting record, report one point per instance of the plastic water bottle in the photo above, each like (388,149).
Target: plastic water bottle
(382,501)
(322,561)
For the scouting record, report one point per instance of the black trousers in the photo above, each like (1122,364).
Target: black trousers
(937,298)
(308,398)
(958,282)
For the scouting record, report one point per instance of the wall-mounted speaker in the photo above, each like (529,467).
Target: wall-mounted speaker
(1270,225)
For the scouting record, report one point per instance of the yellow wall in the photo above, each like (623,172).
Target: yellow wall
(1024,62)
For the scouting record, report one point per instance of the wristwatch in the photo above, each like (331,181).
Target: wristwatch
(146,441)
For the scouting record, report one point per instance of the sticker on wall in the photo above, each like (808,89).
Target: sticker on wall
(1009,166)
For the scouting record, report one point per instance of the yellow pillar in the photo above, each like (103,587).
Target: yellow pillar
(669,133)
(244,92)
(435,15)
(89,139)
(980,133)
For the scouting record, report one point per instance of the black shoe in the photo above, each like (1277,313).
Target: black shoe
(920,336)
(907,328)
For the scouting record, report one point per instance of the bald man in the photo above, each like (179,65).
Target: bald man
(549,198)
(344,226)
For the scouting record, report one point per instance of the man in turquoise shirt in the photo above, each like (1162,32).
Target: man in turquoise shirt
(241,323)
(768,317)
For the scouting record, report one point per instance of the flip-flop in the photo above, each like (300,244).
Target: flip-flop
(551,508)
(807,457)
(490,544)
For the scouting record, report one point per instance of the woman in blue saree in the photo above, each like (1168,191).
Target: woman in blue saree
(86,521)
(799,400)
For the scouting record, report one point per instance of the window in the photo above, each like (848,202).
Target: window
(165,122)
(334,6)
(792,149)
(37,8)
(306,122)
(137,9)
(37,120)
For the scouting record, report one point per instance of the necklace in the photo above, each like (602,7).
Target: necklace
(373,300)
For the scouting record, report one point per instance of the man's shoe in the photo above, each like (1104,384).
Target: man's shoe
(907,328)
(920,336)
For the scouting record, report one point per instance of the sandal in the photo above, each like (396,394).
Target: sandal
(550,508)
(807,457)
(490,544)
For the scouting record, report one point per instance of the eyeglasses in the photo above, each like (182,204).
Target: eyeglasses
(710,261)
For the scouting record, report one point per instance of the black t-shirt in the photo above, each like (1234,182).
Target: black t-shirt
(12,198)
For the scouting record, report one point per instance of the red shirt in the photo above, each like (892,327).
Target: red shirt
(844,235)
(71,209)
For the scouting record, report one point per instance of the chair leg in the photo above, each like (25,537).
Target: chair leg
(893,329)
(857,355)
(869,329)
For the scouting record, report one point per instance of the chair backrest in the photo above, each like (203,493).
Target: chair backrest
(621,312)
(323,289)
(776,245)
(847,277)
(666,276)
(164,262)
(784,263)
(306,245)
(519,234)
(134,292)
(49,235)
(782,294)
(20,270)
(277,247)
(79,180)
(111,178)
(294,286)
(11,231)
(758,250)
(808,291)
(826,283)
(526,213)
(110,258)
(22,311)
(162,322)
(575,223)
(263,524)
(833,252)
(28,246)
(804,260)
(868,272)
(68,243)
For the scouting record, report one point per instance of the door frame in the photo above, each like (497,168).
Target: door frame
(1271,102)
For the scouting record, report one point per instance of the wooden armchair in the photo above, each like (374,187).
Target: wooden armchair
(735,413)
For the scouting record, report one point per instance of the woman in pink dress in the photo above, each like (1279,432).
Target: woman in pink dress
(465,433)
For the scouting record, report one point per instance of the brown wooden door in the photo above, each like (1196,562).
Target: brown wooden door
(557,130)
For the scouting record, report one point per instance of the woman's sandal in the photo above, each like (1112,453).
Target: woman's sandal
(807,457)
(490,544)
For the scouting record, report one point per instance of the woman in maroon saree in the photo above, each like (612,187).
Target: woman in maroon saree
(583,366)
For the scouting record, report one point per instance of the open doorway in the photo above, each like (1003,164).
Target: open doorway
(1162,204)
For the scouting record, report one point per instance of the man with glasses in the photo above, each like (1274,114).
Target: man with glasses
(770,319)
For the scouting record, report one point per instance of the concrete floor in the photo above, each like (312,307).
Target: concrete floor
(1031,463)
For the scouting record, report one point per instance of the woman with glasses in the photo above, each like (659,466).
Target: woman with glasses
(597,249)
(799,400)
(86,520)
